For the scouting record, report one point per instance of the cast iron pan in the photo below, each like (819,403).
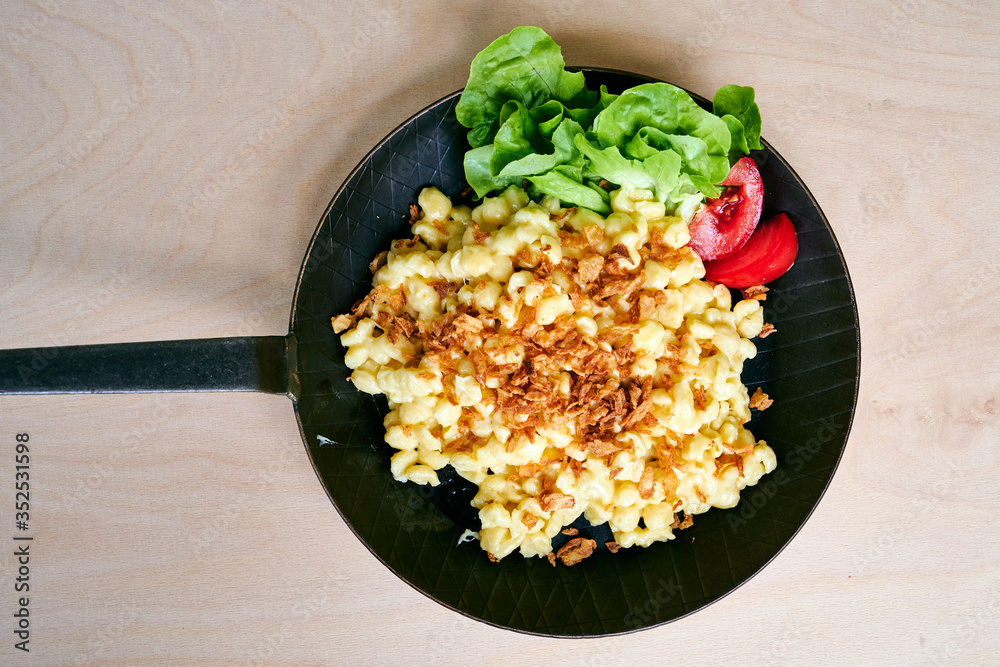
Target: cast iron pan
(810,367)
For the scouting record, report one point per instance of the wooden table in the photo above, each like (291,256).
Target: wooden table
(163,167)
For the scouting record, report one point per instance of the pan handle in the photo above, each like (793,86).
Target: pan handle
(251,363)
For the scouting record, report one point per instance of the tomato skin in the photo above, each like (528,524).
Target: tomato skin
(767,255)
(724,224)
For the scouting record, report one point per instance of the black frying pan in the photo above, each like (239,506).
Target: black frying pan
(810,366)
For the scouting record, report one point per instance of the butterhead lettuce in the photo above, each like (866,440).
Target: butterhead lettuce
(736,106)
(524,66)
(531,120)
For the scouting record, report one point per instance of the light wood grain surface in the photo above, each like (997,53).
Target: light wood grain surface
(163,167)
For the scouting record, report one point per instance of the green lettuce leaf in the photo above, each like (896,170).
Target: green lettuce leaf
(548,116)
(705,169)
(738,134)
(478,175)
(657,172)
(686,198)
(655,117)
(518,136)
(530,119)
(663,107)
(525,66)
(564,151)
(570,190)
(737,102)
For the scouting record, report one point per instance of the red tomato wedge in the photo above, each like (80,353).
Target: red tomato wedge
(770,252)
(723,225)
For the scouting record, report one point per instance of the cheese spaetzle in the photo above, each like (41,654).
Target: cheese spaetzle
(567,363)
